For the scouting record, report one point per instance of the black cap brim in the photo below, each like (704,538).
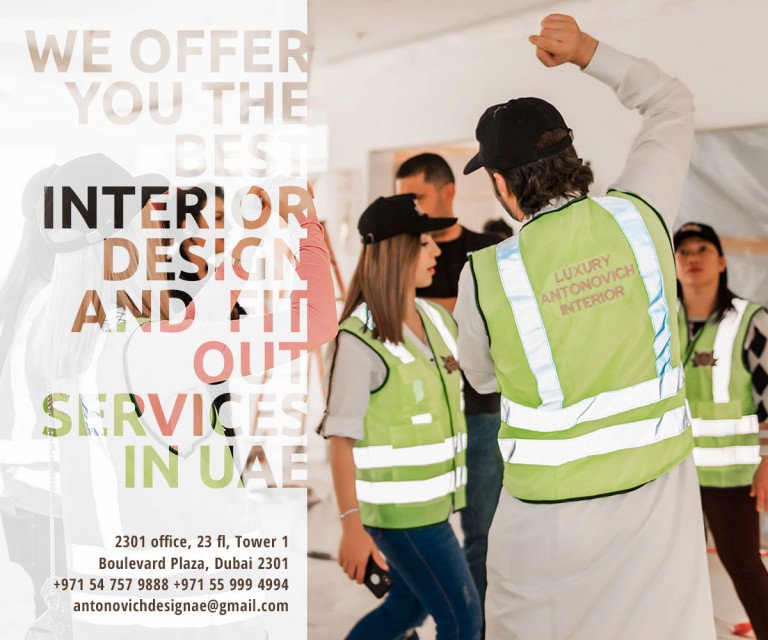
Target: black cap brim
(697,230)
(474,164)
(435,224)
(684,235)
(681,236)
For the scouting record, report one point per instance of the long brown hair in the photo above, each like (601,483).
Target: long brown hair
(382,280)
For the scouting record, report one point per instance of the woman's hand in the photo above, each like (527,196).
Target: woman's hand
(356,544)
(355,549)
(760,486)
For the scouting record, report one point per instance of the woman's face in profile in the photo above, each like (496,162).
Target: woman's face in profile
(425,264)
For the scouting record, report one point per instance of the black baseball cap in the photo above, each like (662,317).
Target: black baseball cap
(697,230)
(508,134)
(388,217)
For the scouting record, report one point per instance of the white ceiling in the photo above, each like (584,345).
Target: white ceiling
(338,29)
(344,28)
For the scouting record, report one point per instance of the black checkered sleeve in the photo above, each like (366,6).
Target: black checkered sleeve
(756,351)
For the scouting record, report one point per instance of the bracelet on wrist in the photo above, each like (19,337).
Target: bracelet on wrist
(348,512)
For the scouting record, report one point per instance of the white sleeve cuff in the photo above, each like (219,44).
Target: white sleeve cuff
(609,65)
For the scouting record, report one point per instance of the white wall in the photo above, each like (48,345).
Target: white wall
(433,92)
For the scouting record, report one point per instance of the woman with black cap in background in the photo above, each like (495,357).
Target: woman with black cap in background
(726,360)
(397,431)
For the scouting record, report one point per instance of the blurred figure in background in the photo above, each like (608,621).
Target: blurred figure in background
(497,226)
(27,506)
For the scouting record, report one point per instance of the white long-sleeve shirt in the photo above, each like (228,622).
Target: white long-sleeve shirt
(655,170)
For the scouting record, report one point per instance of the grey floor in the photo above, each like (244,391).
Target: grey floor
(335,603)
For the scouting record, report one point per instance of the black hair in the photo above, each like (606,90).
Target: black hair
(724,295)
(497,226)
(561,175)
(434,167)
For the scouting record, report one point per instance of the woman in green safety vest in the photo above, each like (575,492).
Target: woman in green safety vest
(724,348)
(397,431)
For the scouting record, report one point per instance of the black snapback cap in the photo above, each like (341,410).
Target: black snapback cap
(697,230)
(388,217)
(509,133)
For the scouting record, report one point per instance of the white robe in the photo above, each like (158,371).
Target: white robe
(631,566)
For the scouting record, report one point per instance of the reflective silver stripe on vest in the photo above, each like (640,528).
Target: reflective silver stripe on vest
(631,223)
(397,350)
(600,406)
(530,326)
(726,456)
(437,320)
(723,351)
(380,456)
(411,491)
(445,333)
(552,453)
(422,418)
(745,425)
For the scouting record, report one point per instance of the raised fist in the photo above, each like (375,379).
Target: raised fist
(561,40)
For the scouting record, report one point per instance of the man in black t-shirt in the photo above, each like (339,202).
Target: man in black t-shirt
(429,177)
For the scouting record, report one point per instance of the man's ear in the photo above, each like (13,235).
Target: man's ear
(445,195)
(508,198)
(501,184)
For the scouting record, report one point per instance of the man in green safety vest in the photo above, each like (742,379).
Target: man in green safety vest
(574,321)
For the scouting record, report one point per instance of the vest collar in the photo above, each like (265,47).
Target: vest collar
(552,205)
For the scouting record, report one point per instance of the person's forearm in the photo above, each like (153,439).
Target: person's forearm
(639,83)
(482,382)
(474,348)
(343,472)
(658,161)
(586,50)
(763,434)
(314,267)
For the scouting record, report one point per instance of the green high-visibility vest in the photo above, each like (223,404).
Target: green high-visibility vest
(410,466)
(719,388)
(580,312)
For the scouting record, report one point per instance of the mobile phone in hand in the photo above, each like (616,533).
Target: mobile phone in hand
(376,579)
